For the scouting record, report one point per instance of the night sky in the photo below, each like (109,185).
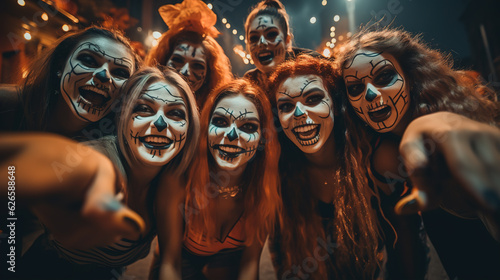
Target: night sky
(437,20)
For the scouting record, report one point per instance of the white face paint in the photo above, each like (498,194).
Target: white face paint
(234,132)
(377,89)
(305,110)
(158,125)
(191,61)
(266,43)
(93,76)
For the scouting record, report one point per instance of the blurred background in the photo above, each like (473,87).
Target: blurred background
(468,30)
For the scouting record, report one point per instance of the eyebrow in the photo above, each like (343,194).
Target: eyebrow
(120,61)
(267,29)
(313,90)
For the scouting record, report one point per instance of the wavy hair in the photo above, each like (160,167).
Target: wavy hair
(219,67)
(261,198)
(354,226)
(134,88)
(434,84)
(42,81)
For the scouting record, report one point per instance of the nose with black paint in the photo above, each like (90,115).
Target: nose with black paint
(371,93)
(160,124)
(232,135)
(103,76)
(185,70)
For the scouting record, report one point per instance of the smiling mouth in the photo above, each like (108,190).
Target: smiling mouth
(266,57)
(156,142)
(230,152)
(307,134)
(380,114)
(94,96)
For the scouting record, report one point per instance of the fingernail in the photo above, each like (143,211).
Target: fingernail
(410,207)
(112,204)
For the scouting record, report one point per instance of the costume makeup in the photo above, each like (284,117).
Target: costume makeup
(305,110)
(267,43)
(234,132)
(190,60)
(93,75)
(377,89)
(158,126)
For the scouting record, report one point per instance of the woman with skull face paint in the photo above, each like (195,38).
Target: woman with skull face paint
(73,84)
(269,41)
(232,195)
(158,129)
(189,47)
(410,97)
(328,227)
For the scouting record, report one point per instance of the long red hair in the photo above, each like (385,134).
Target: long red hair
(354,227)
(261,198)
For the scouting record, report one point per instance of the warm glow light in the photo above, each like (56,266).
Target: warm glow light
(349,34)
(332,28)
(210,6)
(341,49)
(228,25)
(313,20)
(248,56)
(65,28)
(21,3)
(334,41)
(139,29)
(154,43)
(235,31)
(328,44)
(27,35)
(45,17)
(332,45)
(327,52)
(341,37)
(324,3)
(224,20)
(332,34)
(246,61)
(25,73)
(156,34)
(242,37)
(336,18)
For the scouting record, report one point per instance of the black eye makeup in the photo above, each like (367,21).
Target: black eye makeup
(87,59)
(249,127)
(219,121)
(386,77)
(142,108)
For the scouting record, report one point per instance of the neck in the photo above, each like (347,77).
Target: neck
(402,125)
(140,176)
(233,179)
(63,121)
(325,157)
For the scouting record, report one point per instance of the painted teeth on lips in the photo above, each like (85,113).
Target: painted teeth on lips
(265,54)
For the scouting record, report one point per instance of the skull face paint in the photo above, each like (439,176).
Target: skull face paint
(234,132)
(158,125)
(266,43)
(93,75)
(191,61)
(377,89)
(305,111)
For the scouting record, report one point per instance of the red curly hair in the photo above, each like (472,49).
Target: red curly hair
(261,198)
(354,226)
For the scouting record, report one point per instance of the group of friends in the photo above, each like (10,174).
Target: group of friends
(351,167)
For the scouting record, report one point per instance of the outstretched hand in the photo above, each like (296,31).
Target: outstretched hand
(452,161)
(71,188)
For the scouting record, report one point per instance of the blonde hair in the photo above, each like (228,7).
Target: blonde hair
(134,88)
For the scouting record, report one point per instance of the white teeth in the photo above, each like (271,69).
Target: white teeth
(264,54)
(156,139)
(305,128)
(377,108)
(96,90)
(229,149)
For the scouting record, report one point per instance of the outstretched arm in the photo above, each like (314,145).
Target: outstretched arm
(454,162)
(70,187)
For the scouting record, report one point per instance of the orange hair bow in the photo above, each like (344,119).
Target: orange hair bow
(190,15)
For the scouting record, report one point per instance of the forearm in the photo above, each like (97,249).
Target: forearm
(249,267)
